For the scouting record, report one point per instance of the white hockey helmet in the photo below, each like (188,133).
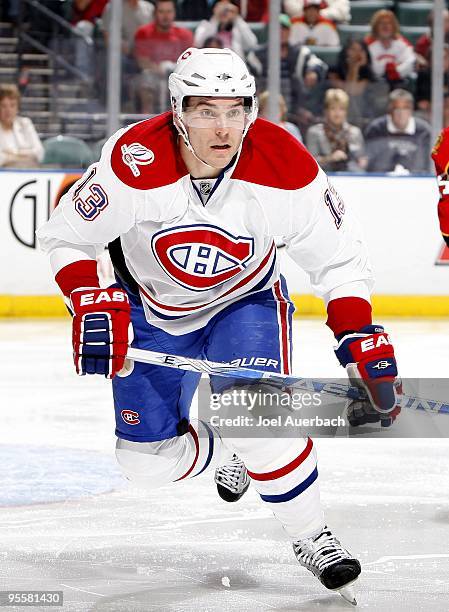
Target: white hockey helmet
(211,72)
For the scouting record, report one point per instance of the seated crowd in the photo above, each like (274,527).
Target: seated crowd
(366,110)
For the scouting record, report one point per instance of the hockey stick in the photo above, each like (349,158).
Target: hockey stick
(307,384)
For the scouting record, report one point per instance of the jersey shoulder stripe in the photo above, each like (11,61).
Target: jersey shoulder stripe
(146,156)
(272,157)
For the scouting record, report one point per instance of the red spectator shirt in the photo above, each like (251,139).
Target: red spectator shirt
(257,10)
(423,46)
(162,46)
(91,13)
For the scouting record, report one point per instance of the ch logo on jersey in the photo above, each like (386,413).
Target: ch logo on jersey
(135,155)
(201,257)
(131,417)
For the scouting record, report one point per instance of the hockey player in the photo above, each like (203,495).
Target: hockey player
(189,202)
(440,156)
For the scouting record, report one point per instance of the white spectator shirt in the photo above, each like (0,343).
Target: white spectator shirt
(242,37)
(21,138)
(132,18)
(336,10)
(190,260)
(323,33)
(400,51)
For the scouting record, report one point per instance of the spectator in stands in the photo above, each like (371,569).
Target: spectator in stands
(281,118)
(392,55)
(85,14)
(368,95)
(157,46)
(312,28)
(302,75)
(338,11)
(423,46)
(423,93)
(255,10)
(398,142)
(135,13)
(337,145)
(228,25)
(20,146)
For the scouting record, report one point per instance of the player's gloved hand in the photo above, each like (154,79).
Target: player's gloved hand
(100,330)
(368,357)
(391,72)
(362,412)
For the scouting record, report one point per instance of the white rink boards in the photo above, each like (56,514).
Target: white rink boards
(110,548)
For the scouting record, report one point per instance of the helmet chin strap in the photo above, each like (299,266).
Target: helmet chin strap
(182,131)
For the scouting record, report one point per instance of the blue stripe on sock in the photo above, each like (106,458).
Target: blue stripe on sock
(211,448)
(305,484)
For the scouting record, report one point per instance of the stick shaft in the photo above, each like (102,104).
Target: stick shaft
(202,366)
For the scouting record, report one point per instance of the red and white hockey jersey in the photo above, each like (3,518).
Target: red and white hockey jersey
(191,259)
(400,52)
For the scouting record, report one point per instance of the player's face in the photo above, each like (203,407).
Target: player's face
(215,127)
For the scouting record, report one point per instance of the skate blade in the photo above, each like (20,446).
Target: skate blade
(347,593)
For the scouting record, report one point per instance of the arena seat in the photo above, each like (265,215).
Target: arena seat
(413,13)
(97,147)
(327,54)
(355,32)
(363,10)
(66,152)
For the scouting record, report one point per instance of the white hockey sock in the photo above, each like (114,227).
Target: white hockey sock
(284,473)
(206,449)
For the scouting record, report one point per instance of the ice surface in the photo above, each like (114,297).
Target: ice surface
(109,547)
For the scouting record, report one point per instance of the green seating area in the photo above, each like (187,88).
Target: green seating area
(413,13)
(413,21)
(412,33)
(357,29)
(363,10)
(347,31)
(327,54)
(66,152)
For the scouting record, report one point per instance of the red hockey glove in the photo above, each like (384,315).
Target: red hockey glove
(368,357)
(100,330)
(391,72)
(440,156)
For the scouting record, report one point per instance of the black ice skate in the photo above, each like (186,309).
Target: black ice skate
(232,479)
(325,557)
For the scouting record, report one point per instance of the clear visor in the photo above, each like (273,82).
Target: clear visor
(236,117)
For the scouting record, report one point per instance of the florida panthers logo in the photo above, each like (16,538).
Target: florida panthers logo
(201,257)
